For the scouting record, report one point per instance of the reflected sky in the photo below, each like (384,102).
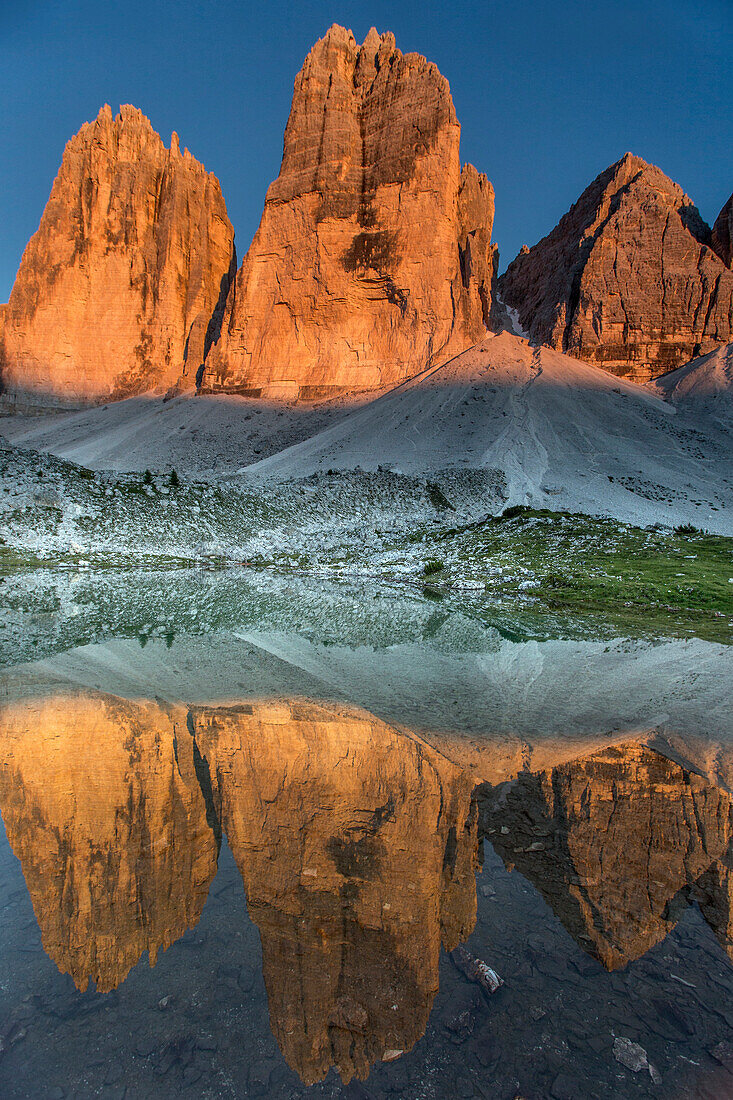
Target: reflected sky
(342,859)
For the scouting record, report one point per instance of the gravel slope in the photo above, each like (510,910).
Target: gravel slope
(563,435)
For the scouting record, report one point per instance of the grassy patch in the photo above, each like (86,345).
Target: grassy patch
(18,560)
(14,561)
(581,563)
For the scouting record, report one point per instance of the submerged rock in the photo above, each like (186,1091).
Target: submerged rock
(635,1058)
(476,970)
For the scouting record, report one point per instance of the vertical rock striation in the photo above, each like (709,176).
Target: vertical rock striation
(102,805)
(358,849)
(619,843)
(357,845)
(122,288)
(628,279)
(373,258)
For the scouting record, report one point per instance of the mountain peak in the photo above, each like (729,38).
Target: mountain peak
(373,257)
(90,318)
(592,286)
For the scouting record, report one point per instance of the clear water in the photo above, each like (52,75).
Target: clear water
(268,863)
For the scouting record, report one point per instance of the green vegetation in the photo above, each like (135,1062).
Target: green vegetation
(378,527)
(688,529)
(18,560)
(13,561)
(675,581)
(512,512)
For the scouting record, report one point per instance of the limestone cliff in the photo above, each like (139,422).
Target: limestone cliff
(373,258)
(358,849)
(102,806)
(357,845)
(617,843)
(628,279)
(121,289)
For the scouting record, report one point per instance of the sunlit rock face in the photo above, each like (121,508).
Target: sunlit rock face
(619,843)
(122,287)
(373,258)
(102,806)
(358,849)
(357,845)
(628,279)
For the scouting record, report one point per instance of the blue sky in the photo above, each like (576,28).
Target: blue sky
(548,93)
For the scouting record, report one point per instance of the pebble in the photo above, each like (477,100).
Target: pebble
(567,1086)
(145,1046)
(629,1054)
(206,1042)
(723,1053)
(246,978)
(259,1077)
(461,1025)
(166,1061)
(390,1055)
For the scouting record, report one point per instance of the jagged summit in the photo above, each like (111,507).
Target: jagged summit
(119,290)
(373,257)
(347,88)
(628,278)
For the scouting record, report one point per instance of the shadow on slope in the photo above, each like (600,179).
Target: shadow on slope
(562,434)
(203,435)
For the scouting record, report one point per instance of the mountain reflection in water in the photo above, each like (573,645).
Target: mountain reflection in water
(619,843)
(358,845)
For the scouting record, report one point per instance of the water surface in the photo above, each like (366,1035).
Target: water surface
(269,863)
